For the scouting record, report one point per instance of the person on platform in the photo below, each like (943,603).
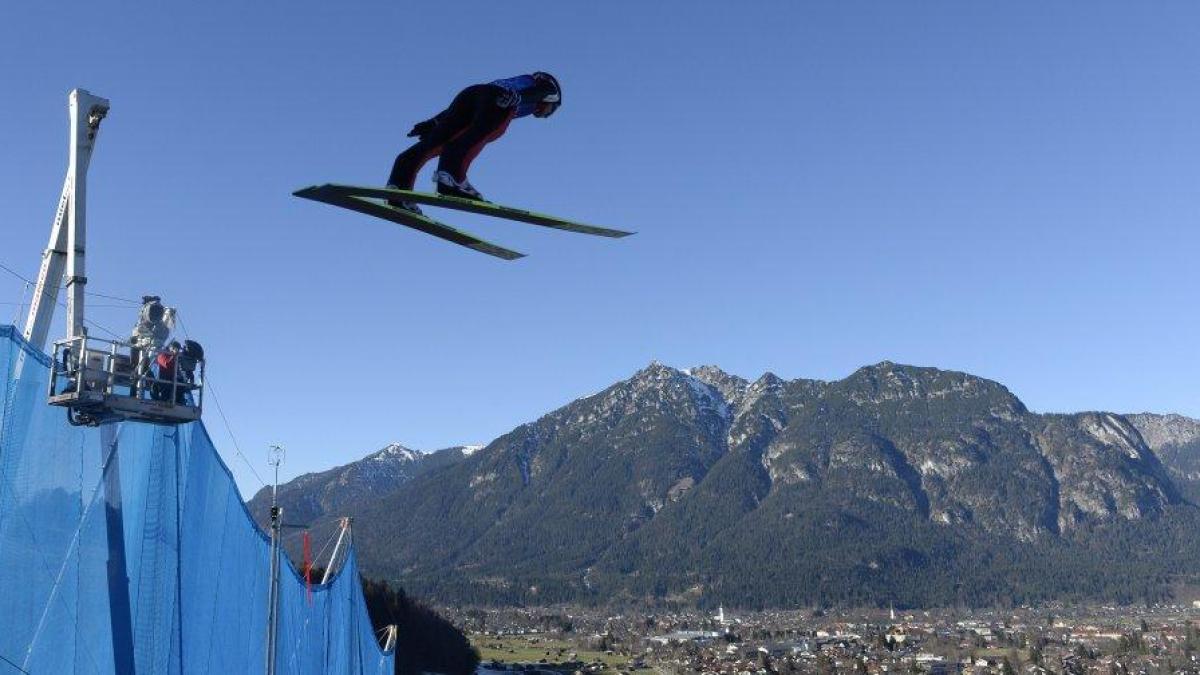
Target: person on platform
(155,322)
(154,325)
(189,358)
(165,378)
(477,116)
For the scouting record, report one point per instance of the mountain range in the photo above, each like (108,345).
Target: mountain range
(897,485)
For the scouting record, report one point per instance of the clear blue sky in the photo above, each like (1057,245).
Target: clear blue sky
(1009,189)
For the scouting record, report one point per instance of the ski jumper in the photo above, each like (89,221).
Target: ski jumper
(477,116)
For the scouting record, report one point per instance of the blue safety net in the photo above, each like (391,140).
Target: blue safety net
(127,549)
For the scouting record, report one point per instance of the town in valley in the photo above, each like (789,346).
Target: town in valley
(1052,639)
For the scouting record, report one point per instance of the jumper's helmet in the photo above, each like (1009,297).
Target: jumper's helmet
(553,96)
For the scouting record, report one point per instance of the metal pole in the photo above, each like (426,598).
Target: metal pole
(389,641)
(275,459)
(337,547)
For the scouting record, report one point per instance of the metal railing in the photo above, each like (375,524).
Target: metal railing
(89,370)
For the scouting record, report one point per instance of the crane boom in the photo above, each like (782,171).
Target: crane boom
(63,259)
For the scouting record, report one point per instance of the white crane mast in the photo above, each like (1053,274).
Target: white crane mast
(68,235)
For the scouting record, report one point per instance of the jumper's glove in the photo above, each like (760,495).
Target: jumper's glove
(422,129)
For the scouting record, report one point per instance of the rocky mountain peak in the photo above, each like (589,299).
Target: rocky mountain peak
(731,387)
(1175,439)
(1163,431)
(336,491)
(888,381)
(396,452)
(658,386)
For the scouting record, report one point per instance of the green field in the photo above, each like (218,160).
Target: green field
(551,653)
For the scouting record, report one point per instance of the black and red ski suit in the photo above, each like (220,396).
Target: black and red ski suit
(477,116)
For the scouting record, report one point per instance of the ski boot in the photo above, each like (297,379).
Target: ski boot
(446,185)
(403,205)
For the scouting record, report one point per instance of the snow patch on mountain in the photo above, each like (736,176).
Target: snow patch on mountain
(708,398)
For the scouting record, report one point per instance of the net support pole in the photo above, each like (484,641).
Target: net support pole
(273,592)
(337,548)
(276,458)
(120,611)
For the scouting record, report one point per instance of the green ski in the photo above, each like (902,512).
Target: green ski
(324,193)
(472,206)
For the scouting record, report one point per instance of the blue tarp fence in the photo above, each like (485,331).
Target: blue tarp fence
(127,549)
